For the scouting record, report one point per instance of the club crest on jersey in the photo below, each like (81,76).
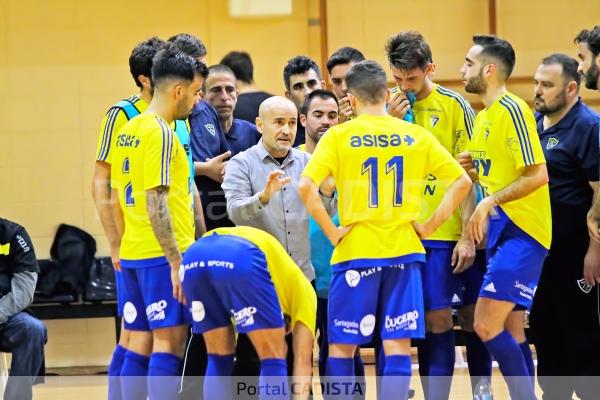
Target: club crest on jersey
(434,120)
(487,133)
(211,128)
(551,143)
(585,288)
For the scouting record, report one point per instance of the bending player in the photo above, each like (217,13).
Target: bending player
(243,273)
(379,163)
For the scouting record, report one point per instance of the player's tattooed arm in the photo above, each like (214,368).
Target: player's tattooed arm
(162,225)
(160,219)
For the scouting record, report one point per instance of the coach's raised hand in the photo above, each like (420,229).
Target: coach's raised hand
(273,185)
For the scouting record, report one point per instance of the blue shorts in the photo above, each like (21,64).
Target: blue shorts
(226,278)
(392,295)
(515,262)
(120,292)
(468,283)
(148,299)
(438,281)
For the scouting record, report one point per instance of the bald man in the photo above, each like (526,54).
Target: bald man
(260,183)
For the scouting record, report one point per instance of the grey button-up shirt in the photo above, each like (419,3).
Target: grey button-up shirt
(284,216)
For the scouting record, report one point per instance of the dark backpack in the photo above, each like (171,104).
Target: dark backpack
(73,252)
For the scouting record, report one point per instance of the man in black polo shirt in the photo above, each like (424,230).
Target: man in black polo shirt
(20,334)
(564,317)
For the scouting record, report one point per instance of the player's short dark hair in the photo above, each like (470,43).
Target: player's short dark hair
(299,65)
(408,50)
(569,65)
(497,49)
(367,81)
(170,63)
(591,37)
(318,93)
(217,69)
(344,55)
(241,65)
(140,60)
(189,45)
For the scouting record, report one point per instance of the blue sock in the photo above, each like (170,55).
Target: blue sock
(340,377)
(359,376)
(114,373)
(217,384)
(526,350)
(423,351)
(164,376)
(441,364)
(506,351)
(273,382)
(134,383)
(396,377)
(478,359)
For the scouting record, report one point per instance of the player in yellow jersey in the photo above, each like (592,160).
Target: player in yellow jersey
(379,163)
(150,172)
(450,252)
(507,155)
(140,64)
(242,275)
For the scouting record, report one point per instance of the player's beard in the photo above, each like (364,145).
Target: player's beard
(477,84)
(183,111)
(549,109)
(591,76)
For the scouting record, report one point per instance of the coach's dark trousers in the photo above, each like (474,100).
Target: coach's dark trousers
(565,325)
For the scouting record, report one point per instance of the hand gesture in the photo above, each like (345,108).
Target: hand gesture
(216,166)
(273,185)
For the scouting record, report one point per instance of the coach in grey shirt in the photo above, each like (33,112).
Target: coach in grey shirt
(261,183)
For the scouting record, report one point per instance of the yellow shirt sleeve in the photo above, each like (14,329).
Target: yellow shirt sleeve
(441,163)
(463,128)
(114,119)
(158,152)
(324,160)
(521,134)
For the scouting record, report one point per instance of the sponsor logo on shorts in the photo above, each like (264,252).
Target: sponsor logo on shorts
(220,263)
(129,312)
(352,278)
(181,272)
(198,312)
(367,325)
(585,287)
(244,317)
(490,287)
(350,327)
(525,291)
(156,311)
(404,322)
